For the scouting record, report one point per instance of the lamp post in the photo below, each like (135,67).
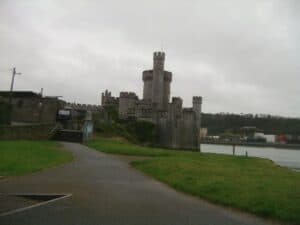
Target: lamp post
(11,91)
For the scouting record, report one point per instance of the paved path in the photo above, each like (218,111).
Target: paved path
(107,191)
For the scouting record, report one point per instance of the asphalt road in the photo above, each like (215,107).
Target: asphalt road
(107,191)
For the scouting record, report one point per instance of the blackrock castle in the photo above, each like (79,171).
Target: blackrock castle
(177,127)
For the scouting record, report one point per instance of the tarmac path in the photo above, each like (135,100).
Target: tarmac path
(107,191)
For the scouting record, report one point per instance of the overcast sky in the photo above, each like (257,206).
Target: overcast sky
(242,56)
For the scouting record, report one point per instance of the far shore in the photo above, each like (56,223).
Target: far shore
(265,145)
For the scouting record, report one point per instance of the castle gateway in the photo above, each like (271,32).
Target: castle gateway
(177,127)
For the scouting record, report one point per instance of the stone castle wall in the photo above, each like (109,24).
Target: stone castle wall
(127,105)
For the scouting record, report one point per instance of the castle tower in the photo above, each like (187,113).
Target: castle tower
(197,103)
(157,82)
(158,79)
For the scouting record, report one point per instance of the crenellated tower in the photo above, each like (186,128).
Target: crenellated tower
(197,103)
(157,82)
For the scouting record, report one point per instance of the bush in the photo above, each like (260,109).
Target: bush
(134,131)
(113,129)
(112,113)
(143,131)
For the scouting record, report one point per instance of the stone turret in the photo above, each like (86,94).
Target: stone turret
(105,96)
(177,104)
(158,61)
(158,79)
(197,102)
(127,105)
(148,80)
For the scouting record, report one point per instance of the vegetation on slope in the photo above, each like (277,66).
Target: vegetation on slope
(20,157)
(252,184)
(135,131)
(221,123)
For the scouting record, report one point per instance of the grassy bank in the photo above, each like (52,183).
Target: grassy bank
(20,157)
(252,184)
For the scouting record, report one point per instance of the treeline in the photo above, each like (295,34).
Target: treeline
(222,123)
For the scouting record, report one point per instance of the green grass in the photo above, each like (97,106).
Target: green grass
(252,184)
(118,145)
(20,157)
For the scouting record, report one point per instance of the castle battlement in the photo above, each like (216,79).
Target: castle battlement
(197,99)
(85,107)
(176,100)
(131,95)
(159,55)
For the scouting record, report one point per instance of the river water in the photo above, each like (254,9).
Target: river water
(284,157)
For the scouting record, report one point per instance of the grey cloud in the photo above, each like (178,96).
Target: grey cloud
(242,56)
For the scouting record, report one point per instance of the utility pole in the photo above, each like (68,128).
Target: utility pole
(11,90)
(12,84)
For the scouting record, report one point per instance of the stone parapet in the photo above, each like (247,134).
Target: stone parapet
(159,55)
(147,75)
(131,95)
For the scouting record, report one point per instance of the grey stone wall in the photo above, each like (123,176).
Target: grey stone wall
(189,134)
(144,109)
(69,135)
(28,132)
(178,128)
(34,109)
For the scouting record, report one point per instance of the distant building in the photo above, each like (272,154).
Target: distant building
(203,132)
(270,138)
(30,107)
(259,135)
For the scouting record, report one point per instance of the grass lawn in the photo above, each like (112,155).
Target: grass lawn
(252,184)
(20,157)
